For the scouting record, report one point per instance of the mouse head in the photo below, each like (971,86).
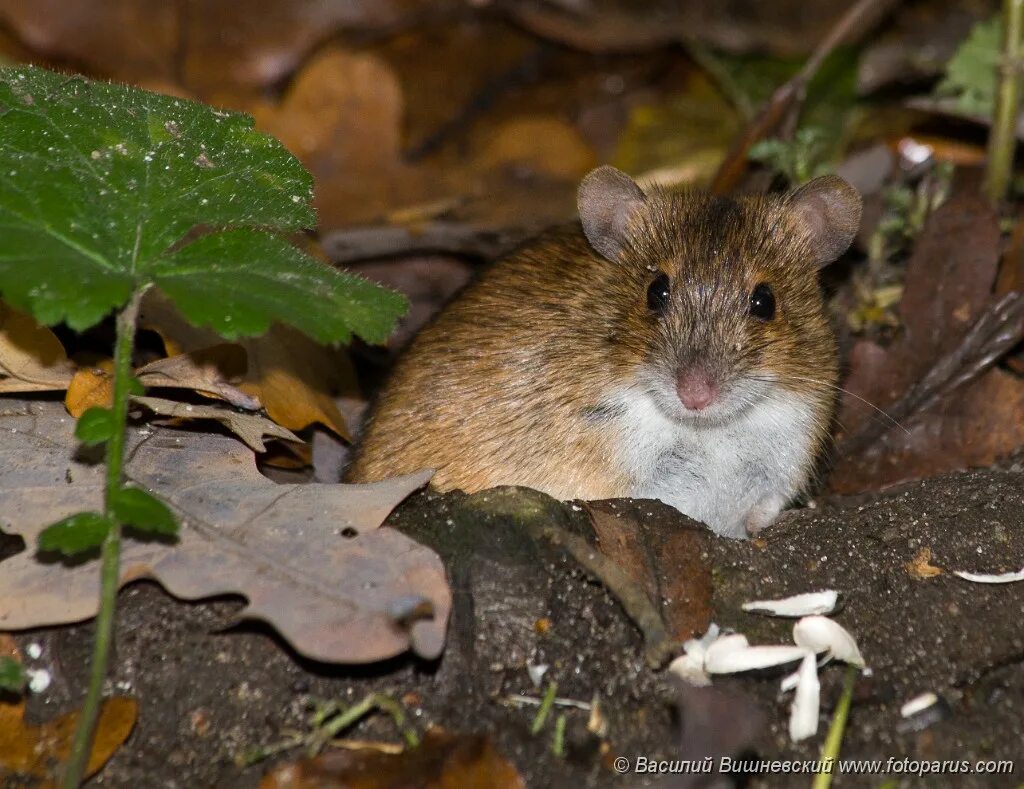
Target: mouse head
(719,298)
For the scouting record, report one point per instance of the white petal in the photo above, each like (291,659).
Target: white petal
(724,644)
(987,578)
(690,668)
(918,704)
(797,605)
(803,715)
(749,658)
(821,634)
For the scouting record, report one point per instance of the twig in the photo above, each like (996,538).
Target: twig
(452,238)
(834,740)
(998,330)
(1002,141)
(532,701)
(783,108)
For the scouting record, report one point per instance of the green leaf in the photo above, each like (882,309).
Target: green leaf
(202,278)
(971,74)
(12,675)
(105,189)
(95,426)
(138,509)
(80,532)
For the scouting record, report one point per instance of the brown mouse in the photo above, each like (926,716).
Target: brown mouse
(677,348)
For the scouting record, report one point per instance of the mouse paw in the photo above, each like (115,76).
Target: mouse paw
(763,514)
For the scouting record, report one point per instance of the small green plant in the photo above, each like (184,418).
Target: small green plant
(12,675)
(970,75)
(107,192)
(798,160)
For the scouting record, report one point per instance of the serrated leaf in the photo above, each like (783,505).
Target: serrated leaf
(12,675)
(202,278)
(75,534)
(136,508)
(101,184)
(95,426)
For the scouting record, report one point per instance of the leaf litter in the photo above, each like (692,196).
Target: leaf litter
(365,592)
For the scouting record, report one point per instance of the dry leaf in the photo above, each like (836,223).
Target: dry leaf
(249,427)
(948,285)
(210,44)
(91,387)
(27,750)
(313,560)
(210,371)
(294,378)
(31,357)
(921,565)
(442,761)
(664,561)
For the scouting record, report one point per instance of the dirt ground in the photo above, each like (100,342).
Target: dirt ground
(210,688)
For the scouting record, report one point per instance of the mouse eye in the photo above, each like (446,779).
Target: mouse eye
(762,302)
(658,293)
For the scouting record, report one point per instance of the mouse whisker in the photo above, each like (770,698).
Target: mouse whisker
(844,390)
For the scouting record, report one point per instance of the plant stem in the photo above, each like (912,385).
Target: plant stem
(834,740)
(110,558)
(1002,141)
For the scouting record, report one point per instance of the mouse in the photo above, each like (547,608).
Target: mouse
(670,345)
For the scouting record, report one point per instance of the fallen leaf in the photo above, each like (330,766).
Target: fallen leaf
(210,371)
(90,387)
(442,761)
(296,379)
(292,376)
(27,750)
(313,560)
(251,428)
(32,359)
(921,565)
(948,286)
(664,561)
(210,45)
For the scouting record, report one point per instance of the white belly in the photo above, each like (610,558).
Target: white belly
(719,474)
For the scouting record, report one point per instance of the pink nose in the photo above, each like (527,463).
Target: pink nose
(695,390)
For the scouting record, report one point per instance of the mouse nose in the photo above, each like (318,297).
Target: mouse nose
(695,389)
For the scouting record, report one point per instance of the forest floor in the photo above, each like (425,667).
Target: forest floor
(210,690)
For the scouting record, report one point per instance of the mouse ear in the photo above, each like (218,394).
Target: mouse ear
(606,199)
(829,210)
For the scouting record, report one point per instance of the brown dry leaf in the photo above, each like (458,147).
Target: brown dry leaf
(211,46)
(345,113)
(91,387)
(92,32)
(294,378)
(313,560)
(564,153)
(31,357)
(249,427)
(948,285)
(442,761)
(665,561)
(27,750)
(210,371)
(921,565)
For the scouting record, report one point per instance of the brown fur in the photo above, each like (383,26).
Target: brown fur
(506,385)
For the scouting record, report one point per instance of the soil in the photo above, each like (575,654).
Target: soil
(210,688)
